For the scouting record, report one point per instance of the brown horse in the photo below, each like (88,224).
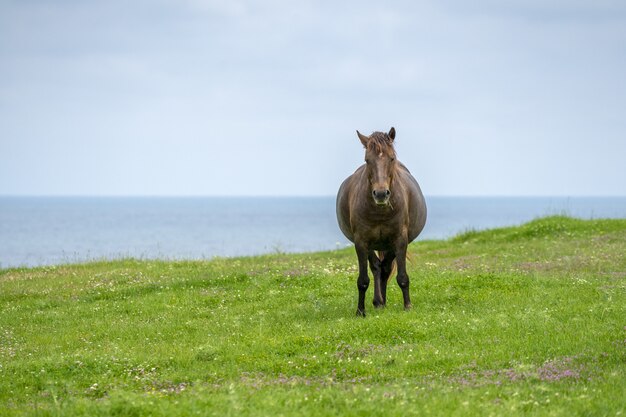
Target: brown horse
(381,208)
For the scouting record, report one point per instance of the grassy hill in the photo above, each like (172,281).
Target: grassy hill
(526,320)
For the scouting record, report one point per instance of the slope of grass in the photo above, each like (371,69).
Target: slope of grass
(513,321)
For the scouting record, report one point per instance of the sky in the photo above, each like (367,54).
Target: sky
(263,98)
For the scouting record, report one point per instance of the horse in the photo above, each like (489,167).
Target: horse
(381,209)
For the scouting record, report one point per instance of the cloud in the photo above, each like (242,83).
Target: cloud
(174,93)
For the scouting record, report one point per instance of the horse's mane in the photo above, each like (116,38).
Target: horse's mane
(380,142)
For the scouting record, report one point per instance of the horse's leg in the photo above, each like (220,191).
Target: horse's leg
(403,277)
(375,266)
(386,267)
(364,280)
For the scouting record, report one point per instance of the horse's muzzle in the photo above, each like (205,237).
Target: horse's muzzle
(381,197)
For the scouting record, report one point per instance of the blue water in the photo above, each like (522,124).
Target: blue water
(53,230)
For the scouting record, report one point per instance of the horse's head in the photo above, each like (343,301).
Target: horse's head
(380,159)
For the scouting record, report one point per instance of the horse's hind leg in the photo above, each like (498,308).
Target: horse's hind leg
(403,277)
(386,268)
(375,266)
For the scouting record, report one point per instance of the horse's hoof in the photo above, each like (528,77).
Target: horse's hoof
(378,304)
(408,307)
(360,313)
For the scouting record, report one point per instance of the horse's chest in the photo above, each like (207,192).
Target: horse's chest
(382,236)
(379,233)
(378,230)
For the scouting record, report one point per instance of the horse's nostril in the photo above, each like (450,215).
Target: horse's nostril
(388,192)
(374,193)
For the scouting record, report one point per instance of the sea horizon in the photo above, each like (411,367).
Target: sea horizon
(301,196)
(49,230)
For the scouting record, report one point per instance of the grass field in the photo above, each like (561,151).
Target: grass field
(527,320)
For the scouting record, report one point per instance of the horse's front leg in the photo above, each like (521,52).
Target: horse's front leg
(376,267)
(403,277)
(364,280)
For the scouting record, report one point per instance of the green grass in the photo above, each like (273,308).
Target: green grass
(527,320)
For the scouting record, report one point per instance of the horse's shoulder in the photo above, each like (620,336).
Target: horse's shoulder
(403,167)
(406,175)
(354,179)
(359,171)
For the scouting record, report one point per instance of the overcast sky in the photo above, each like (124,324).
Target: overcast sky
(227,97)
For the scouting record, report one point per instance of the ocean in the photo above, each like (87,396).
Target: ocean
(55,230)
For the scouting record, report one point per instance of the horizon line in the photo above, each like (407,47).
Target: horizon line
(278,196)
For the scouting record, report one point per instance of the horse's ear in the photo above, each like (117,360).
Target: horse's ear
(364,139)
(392,133)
